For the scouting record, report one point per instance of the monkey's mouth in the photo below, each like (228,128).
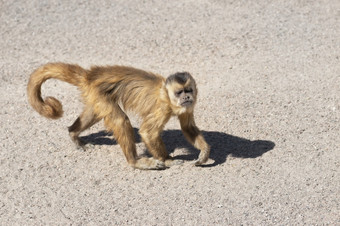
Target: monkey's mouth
(186,103)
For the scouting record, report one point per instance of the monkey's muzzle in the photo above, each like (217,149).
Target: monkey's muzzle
(186,103)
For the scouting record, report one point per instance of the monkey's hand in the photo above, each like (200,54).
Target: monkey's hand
(172,162)
(144,163)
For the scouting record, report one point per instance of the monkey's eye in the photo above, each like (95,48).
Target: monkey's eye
(188,90)
(178,93)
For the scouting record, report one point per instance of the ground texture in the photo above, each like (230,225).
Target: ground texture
(268,74)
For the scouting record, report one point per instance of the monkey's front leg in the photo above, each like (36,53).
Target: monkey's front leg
(202,145)
(152,138)
(195,137)
(120,125)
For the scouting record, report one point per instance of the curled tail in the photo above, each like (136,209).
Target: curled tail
(51,107)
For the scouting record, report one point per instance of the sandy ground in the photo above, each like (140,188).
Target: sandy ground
(268,73)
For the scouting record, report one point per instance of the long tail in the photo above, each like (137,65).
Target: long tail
(51,107)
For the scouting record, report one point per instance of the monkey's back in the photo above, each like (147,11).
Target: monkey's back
(134,89)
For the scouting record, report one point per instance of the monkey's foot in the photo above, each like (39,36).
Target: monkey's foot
(172,162)
(149,164)
(81,144)
(203,157)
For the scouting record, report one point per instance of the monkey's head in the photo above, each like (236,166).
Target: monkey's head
(182,92)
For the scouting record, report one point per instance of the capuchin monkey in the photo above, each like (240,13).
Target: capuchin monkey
(110,91)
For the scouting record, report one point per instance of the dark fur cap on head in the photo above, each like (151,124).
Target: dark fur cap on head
(179,77)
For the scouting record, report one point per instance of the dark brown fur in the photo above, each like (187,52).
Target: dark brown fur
(110,91)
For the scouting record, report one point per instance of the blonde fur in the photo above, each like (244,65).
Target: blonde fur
(108,92)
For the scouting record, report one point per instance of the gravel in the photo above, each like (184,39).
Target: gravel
(268,74)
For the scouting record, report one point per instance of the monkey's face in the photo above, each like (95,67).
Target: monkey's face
(184,97)
(182,92)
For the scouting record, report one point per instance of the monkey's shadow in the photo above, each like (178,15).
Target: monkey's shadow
(222,145)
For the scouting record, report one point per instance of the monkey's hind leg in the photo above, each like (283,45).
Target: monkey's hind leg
(83,122)
(118,123)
